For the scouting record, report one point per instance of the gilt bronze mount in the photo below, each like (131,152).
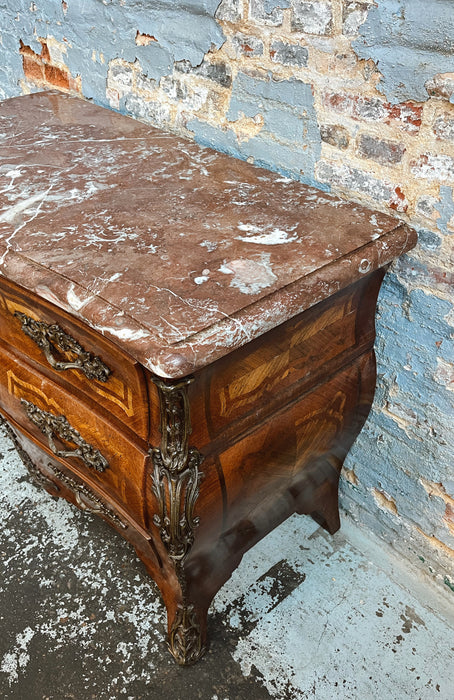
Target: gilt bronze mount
(48,335)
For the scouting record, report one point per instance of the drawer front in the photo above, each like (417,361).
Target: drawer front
(85,442)
(75,355)
(277,367)
(236,392)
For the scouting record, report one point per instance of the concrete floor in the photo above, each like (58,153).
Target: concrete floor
(306,615)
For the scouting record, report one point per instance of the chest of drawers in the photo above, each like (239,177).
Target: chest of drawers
(186,341)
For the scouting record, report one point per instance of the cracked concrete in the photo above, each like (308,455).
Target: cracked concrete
(305,615)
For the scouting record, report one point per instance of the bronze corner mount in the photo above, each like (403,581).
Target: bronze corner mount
(176,475)
(176,479)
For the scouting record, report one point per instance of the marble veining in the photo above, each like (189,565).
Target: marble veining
(175,252)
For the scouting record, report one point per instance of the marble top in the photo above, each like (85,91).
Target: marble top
(175,252)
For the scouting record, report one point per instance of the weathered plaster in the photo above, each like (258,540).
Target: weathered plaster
(186,31)
(410,419)
(445,208)
(289,141)
(410,41)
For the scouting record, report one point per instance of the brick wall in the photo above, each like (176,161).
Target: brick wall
(354,96)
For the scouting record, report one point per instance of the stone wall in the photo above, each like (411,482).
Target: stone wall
(356,97)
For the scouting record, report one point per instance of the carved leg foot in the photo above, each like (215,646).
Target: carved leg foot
(186,636)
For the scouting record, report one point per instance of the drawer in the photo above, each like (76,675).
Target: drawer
(277,367)
(86,443)
(59,342)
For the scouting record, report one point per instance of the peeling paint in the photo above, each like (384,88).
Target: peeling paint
(187,34)
(408,45)
(385,501)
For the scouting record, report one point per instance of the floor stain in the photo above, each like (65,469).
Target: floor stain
(80,618)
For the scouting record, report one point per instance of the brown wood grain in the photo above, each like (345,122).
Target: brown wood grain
(125,475)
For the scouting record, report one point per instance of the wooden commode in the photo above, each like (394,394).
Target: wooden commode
(186,340)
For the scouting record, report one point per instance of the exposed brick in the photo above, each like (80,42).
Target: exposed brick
(39,69)
(289,54)
(354,14)
(351,178)
(441,85)
(258,13)
(190,95)
(312,17)
(136,106)
(143,82)
(339,102)
(33,69)
(158,113)
(220,73)
(245,45)
(434,167)
(174,88)
(369,109)
(56,77)
(122,74)
(25,50)
(335,135)
(380,150)
(45,54)
(184,66)
(407,113)
(444,128)
(398,202)
(154,112)
(230,10)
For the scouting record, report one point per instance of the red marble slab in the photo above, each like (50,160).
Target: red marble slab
(177,253)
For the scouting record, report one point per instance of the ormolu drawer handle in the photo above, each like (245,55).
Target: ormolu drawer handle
(44,334)
(58,425)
